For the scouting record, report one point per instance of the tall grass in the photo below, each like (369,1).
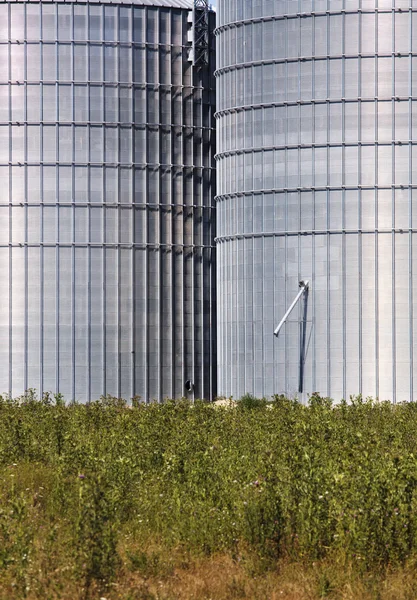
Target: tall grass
(94,495)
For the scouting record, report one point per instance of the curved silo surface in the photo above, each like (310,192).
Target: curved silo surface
(106,201)
(317,113)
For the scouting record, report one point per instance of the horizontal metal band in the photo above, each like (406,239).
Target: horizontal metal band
(312,232)
(303,15)
(343,100)
(113,205)
(309,58)
(135,85)
(323,188)
(110,124)
(357,144)
(127,246)
(183,4)
(87,42)
(130,165)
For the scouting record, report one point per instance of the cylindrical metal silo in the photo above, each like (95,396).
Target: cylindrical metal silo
(317,117)
(106,201)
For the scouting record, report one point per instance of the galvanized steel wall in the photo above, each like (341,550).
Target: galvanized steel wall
(317,179)
(106,191)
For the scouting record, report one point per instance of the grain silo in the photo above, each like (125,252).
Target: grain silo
(317,176)
(106,202)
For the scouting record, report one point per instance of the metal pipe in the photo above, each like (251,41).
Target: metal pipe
(303,287)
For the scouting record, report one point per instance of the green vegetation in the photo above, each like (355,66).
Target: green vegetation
(105,500)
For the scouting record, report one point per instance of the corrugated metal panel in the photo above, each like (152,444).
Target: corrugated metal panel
(106,203)
(317,180)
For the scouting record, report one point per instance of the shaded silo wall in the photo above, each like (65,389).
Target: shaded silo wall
(317,175)
(106,201)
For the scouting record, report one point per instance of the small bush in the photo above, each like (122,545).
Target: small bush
(249,401)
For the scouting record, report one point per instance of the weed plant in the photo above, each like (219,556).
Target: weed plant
(91,494)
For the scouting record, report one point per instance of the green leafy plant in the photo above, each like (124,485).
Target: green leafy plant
(92,494)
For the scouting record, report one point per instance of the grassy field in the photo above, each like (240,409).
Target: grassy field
(175,501)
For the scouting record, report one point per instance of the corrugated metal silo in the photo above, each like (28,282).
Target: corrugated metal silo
(106,201)
(317,175)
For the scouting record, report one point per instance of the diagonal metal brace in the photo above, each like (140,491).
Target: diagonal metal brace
(303,285)
(201,43)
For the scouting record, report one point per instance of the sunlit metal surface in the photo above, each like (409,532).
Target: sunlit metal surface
(106,210)
(317,179)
